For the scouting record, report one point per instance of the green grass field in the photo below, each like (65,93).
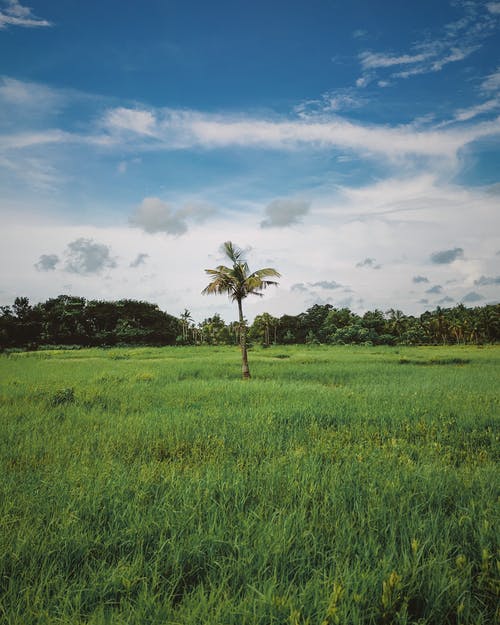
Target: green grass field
(339,485)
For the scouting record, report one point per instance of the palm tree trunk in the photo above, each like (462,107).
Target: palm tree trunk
(245,371)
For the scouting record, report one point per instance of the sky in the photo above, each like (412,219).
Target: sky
(354,146)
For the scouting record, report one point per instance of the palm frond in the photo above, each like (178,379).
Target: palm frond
(266,272)
(237,282)
(233,252)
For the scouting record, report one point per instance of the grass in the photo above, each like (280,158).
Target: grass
(153,486)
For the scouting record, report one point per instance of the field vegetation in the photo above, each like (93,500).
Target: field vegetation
(341,485)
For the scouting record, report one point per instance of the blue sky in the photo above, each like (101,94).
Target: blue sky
(352,145)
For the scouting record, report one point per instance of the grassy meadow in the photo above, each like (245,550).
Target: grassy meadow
(339,485)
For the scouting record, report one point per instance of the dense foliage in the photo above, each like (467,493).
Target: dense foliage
(342,486)
(68,320)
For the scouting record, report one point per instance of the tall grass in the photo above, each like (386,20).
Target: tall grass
(339,485)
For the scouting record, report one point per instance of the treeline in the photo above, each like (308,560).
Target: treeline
(68,320)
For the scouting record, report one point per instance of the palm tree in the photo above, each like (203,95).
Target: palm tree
(185,319)
(237,282)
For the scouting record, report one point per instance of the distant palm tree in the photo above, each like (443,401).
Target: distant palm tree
(185,319)
(237,282)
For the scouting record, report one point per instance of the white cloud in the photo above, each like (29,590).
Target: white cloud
(330,102)
(320,127)
(131,120)
(34,172)
(363,81)
(284,212)
(21,140)
(15,14)
(473,111)
(455,54)
(492,82)
(35,97)
(198,212)
(373,60)
(457,41)
(493,7)
(153,215)
(188,129)
(399,221)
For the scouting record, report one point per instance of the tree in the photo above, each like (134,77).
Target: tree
(186,319)
(263,326)
(396,322)
(313,320)
(214,331)
(237,282)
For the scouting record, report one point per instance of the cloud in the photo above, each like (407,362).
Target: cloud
(456,41)
(37,173)
(345,303)
(14,14)
(456,54)
(359,33)
(446,300)
(423,301)
(368,262)
(36,97)
(198,212)
(142,130)
(447,256)
(284,212)
(373,60)
(85,256)
(130,120)
(47,262)
(487,281)
(491,82)
(493,7)
(330,102)
(435,289)
(465,114)
(326,284)
(153,215)
(173,130)
(123,166)
(363,81)
(419,279)
(472,297)
(22,140)
(140,259)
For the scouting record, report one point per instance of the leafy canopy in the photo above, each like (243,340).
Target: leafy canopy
(237,281)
